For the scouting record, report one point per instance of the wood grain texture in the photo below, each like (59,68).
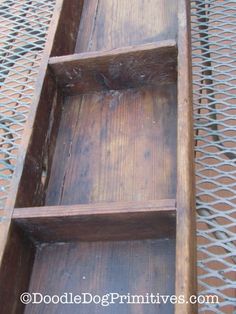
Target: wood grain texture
(128,67)
(16,267)
(110,24)
(37,164)
(94,222)
(186,220)
(120,146)
(95,208)
(68,26)
(135,267)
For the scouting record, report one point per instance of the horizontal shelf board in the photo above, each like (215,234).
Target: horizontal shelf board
(102,221)
(94,209)
(128,67)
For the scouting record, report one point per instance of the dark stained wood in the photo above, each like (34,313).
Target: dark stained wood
(95,208)
(65,37)
(186,231)
(135,267)
(40,151)
(110,24)
(16,267)
(116,146)
(94,222)
(127,67)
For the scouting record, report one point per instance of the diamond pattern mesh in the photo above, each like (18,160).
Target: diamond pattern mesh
(214,79)
(24,25)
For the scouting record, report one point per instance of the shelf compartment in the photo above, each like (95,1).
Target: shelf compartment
(106,146)
(115,146)
(126,247)
(110,24)
(134,267)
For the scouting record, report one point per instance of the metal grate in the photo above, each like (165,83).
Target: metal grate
(24,25)
(214,79)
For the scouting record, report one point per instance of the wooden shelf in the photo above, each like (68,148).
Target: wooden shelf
(101,221)
(164,205)
(128,67)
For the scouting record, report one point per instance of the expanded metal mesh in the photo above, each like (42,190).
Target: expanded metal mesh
(23,29)
(214,79)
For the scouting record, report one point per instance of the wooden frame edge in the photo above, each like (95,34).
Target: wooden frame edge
(186,283)
(163,205)
(8,209)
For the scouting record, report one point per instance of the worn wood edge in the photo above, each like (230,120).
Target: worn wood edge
(186,283)
(124,221)
(167,205)
(112,53)
(17,264)
(8,208)
(67,27)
